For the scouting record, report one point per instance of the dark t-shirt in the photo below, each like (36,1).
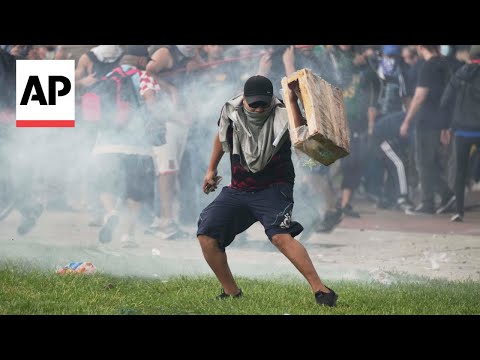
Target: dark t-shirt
(434,75)
(411,78)
(279,170)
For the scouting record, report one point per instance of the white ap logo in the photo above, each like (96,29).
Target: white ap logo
(45,93)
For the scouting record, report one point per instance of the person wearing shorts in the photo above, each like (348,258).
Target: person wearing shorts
(253,128)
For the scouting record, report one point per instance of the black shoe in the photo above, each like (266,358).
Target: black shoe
(348,211)
(224,296)
(106,232)
(29,221)
(327,299)
(26,225)
(457,218)
(422,209)
(384,204)
(330,221)
(447,205)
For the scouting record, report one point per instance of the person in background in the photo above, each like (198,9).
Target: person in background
(461,100)
(170,66)
(429,121)
(124,151)
(360,95)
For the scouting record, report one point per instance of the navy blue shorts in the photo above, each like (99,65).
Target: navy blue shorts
(234,211)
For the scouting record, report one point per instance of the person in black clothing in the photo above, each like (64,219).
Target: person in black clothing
(360,95)
(425,109)
(252,129)
(461,100)
(450,53)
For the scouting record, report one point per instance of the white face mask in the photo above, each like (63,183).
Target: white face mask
(444,49)
(188,50)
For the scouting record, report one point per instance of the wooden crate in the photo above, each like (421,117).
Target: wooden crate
(328,138)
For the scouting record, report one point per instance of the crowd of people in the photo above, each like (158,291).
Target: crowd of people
(413,114)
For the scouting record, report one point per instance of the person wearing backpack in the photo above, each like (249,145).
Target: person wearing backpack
(124,147)
(91,67)
(96,63)
(461,101)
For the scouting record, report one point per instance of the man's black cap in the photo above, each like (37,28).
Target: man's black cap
(258,89)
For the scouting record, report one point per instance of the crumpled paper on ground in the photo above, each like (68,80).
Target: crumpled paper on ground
(77,268)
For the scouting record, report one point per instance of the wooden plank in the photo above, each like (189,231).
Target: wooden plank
(328,138)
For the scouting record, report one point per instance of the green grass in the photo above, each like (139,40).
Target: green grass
(31,291)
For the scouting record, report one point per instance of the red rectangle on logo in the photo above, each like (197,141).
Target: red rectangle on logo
(45,123)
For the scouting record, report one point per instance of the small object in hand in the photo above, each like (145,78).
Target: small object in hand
(210,188)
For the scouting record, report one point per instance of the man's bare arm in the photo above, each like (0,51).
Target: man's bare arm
(217,154)
(417,101)
(83,73)
(162,60)
(292,98)
(82,69)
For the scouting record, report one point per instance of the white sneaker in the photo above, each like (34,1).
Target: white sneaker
(456,218)
(156,225)
(169,229)
(128,241)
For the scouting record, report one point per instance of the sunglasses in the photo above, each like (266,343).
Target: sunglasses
(259,104)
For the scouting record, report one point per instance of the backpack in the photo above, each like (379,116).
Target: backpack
(113,99)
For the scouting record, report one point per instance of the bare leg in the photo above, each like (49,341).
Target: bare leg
(297,254)
(217,260)
(346,196)
(108,202)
